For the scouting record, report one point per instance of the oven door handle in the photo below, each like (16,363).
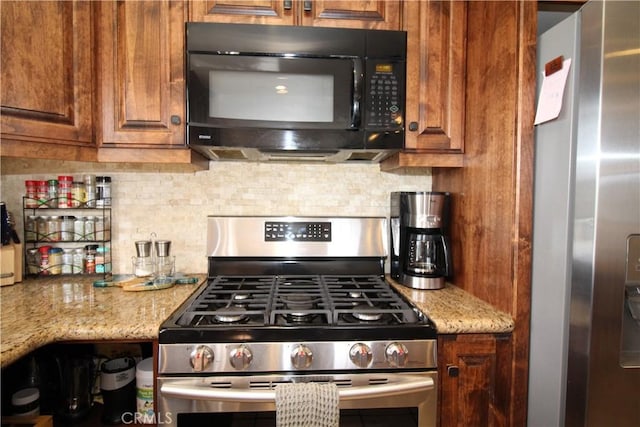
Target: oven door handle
(185,390)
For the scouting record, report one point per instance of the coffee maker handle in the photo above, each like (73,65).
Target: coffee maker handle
(447,256)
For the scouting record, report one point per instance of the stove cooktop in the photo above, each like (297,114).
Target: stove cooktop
(295,307)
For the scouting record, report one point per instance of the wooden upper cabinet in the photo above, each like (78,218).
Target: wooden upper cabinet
(46,74)
(436,61)
(140,64)
(381,14)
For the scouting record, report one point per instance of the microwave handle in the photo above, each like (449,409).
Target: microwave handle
(358,87)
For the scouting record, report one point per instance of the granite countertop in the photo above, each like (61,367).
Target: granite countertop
(454,311)
(41,311)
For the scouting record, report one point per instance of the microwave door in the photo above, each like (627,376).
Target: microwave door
(241,91)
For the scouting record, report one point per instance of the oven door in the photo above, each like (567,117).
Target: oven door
(407,399)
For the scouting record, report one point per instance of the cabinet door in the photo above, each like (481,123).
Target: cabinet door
(275,12)
(381,14)
(140,73)
(46,74)
(436,51)
(474,372)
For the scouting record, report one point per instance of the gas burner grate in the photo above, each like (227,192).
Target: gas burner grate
(297,300)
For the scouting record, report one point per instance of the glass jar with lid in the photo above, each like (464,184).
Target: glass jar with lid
(90,259)
(41,228)
(78,229)
(31,228)
(67,228)
(90,228)
(52,193)
(53,228)
(67,261)
(78,261)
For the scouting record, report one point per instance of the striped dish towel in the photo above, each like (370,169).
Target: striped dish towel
(307,405)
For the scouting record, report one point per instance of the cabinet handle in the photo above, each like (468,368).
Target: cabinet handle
(175,120)
(453,371)
(287,4)
(306,5)
(413,126)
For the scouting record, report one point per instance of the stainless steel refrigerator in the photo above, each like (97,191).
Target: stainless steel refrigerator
(585,340)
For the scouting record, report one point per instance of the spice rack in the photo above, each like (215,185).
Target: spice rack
(67,240)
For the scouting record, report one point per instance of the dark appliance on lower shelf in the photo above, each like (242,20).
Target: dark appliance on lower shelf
(296,299)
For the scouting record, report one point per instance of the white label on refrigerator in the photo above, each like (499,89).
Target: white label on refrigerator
(551,93)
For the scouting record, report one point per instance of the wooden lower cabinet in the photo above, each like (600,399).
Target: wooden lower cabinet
(474,372)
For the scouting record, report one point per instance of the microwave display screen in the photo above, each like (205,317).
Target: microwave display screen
(384,68)
(271,96)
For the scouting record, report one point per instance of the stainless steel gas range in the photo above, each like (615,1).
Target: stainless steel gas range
(296,299)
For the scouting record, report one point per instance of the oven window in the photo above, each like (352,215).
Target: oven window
(407,417)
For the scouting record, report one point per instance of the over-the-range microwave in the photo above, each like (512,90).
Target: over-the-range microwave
(265,92)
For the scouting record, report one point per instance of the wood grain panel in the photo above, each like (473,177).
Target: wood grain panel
(468,374)
(492,194)
(46,71)
(141,73)
(436,59)
(375,14)
(241,11)
(380,14)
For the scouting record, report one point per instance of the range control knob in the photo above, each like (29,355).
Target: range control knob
(397,355)
(301,356)
(201,357)
(361,355)
(240,357)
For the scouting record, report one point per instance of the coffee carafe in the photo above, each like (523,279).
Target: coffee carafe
(420,253)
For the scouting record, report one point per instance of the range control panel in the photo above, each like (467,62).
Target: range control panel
(276,231)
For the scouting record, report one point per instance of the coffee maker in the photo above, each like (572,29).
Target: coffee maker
(420,252)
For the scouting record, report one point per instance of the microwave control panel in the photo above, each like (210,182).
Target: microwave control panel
(385,95)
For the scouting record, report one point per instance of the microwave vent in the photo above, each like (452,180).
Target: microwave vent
(366,156)
(227,154)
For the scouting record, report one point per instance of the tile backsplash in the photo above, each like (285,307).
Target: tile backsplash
(174,204)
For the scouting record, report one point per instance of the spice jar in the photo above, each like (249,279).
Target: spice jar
(78,194)
(31,228)
(53,228)
(99,228)
(42,193)
(90,228)
(52,193)
(55,261)
(44,259)
(67,261)
(31,195)
(103,260)
(41,228)
(90,190)
(78,261)
(103,191)
(90,259)
(66,228)
(78,228)
(65,183)
(33,261)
